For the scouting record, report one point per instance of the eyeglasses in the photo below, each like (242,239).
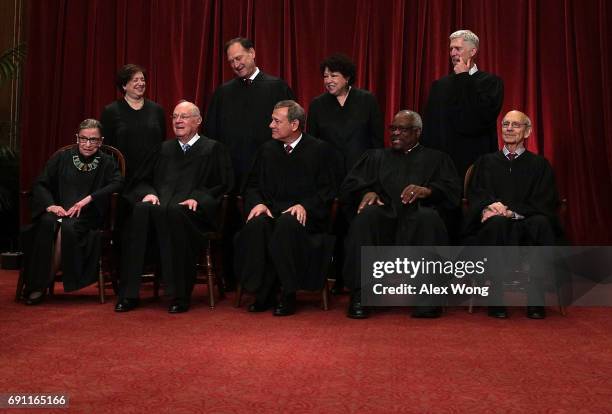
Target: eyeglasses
(85,140)
(403,130)
(176,117)
(507,124)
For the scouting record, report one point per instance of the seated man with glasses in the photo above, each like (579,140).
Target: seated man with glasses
(513,201)
(398,196)
(70,200)
(175,203)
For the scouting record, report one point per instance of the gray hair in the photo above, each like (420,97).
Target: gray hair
(294,111)
(194,108)
(467,36)
(90,123)
(416,118)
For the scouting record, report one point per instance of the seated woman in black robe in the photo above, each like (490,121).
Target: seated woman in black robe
(70,200)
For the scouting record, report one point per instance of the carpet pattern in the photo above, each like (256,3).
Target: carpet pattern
(229,361)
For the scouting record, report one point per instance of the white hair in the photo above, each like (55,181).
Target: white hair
(467,36)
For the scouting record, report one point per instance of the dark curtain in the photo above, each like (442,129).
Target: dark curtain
(554,57)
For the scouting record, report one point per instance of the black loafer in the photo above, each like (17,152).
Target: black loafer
(286,306)
(498,312)
(178,308)
(427,312)
(356,310)
(126,305)
(536,312)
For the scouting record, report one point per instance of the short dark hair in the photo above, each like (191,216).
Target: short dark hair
(340,63)
(126,73)
(244,42)
(294,112)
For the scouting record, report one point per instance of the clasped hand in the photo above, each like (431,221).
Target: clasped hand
(75,210)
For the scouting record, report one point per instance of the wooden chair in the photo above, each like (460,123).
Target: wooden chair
(330,229)
(520,274)
(209,265)
(107,275)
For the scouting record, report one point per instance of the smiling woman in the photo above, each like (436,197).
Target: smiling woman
(133,124)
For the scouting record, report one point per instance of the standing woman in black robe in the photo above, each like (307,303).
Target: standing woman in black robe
(350,120)
(70,200)
(134,125)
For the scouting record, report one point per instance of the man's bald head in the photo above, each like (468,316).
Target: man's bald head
(516,127)
(186,119)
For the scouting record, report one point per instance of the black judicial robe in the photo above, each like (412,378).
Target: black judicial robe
(136,133)
(387,172)
(279,181)
(203,173)
(239,114)
(61,183)
(461,116)
(526,185)
(351,129)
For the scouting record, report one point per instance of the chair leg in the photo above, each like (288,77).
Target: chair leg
(20,283)
(325,295)
(156,277)
(238,296)
(211,275)
(101,283)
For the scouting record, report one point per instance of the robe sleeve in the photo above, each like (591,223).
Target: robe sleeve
(376,123)
(317,206)
(313,126)
(108,126)
(543,198)
(112,182)
(445,185)
(251,187)
(217,179)
(211,126)
(479,102)
(361,179)
(142,182)
(46,186)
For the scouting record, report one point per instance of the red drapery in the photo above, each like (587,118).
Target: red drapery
(553,56)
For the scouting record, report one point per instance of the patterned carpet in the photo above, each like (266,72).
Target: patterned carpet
(229,361)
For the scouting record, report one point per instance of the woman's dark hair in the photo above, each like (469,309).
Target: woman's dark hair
(340,63)
(125,74)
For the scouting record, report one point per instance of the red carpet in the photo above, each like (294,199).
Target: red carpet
(229,361)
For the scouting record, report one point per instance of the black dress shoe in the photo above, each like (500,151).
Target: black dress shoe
(427,312)
(35,298)
(126,305)
(536,312)
(286,306)
(498,312)
(259,307)
(177,307)
(355,309)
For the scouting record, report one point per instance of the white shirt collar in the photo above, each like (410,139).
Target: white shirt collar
(252,77)
(294,143)
(473,69)
(192,141)
(518,151)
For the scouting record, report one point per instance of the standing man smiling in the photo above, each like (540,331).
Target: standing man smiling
(238,116)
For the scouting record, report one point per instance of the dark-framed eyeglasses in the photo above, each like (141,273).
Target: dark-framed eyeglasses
(176,117)
(515,125)
(403,130)
(92,140)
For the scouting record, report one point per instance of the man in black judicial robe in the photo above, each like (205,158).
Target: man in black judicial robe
(288,194)
(176,204)
(400,195)
(70,201)
(513,201)
(461,113)
(238,116)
